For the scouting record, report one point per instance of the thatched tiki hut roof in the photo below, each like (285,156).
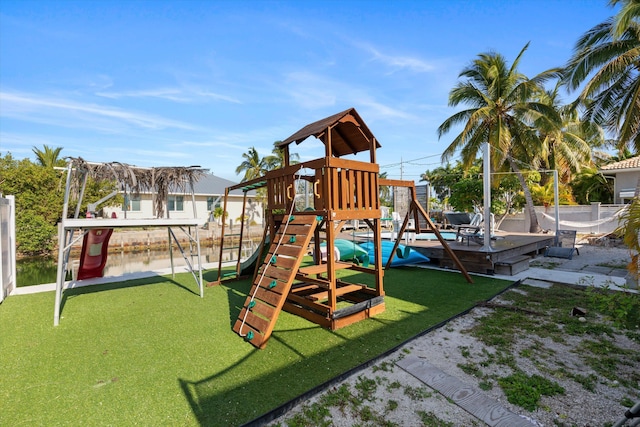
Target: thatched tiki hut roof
(135,180)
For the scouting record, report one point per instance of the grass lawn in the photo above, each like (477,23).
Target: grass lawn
(151,352)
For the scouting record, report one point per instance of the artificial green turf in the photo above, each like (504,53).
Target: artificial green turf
(152,352)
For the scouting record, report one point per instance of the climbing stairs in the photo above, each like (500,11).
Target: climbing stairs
(273,281)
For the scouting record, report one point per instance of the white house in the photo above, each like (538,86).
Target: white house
(209,194)
(625,174)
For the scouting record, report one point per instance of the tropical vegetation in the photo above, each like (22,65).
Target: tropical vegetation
(606,60)
(49,157)
(461,188)
(253,166)
(504,111)
(529,129)
(38,202)
(606,63)
(39,195)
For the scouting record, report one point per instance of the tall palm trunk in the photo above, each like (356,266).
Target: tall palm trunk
(534,227)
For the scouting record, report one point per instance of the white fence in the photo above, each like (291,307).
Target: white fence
(585,219)
(7,245)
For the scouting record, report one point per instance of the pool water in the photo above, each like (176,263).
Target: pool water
(446,235)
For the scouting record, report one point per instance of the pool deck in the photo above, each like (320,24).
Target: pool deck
(510,252)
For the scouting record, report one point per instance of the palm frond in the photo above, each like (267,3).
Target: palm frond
(134,180)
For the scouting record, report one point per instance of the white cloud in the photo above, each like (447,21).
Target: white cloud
(100,82)
(315,92)
(380,111)
(213,144)
(311,91)
(396,62)
(150,154)
(68,113)
(22,139)
(183,95)
(402,62)
(168,94)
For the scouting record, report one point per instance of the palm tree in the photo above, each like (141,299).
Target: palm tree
(629,12)
(276,160)
(503,112)
(567,148)
(385,191)
(607,57)
(219,214)
(253,166)
(590,185)
(48,157)
(442,178)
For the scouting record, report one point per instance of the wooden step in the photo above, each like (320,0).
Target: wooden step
(513,265)
(322,268)
(323,295)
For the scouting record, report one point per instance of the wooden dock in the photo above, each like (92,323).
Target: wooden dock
(510,252)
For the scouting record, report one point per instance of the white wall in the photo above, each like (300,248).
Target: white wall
(625,181)
(234,208)
(581,214)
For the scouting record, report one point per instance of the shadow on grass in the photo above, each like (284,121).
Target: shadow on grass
(300,360)
(289,347)
(70,293)
(236,296)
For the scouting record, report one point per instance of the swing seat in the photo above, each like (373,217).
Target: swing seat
(564,245)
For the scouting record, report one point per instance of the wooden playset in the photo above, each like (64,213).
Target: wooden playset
(343,190)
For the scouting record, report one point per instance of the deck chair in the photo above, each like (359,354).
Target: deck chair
(457,218)
(564,245)
(470,231)
(492,228)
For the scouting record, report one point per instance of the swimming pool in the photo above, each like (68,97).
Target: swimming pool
(446,235)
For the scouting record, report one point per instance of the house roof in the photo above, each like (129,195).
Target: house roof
(632,163)
(349,134)
(214,185)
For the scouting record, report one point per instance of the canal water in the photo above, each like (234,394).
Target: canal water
(42,270)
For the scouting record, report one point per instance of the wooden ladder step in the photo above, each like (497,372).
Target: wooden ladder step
(323,295)
(274,279)
(322,268)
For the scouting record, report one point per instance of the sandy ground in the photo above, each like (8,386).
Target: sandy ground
(442,348)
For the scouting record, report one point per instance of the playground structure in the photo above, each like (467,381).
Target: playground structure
(343,190)
(95,233)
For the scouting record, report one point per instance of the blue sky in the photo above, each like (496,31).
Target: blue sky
(179,83)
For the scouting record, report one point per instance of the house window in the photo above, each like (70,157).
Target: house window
(213,203)
(175,203)
(131,203)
